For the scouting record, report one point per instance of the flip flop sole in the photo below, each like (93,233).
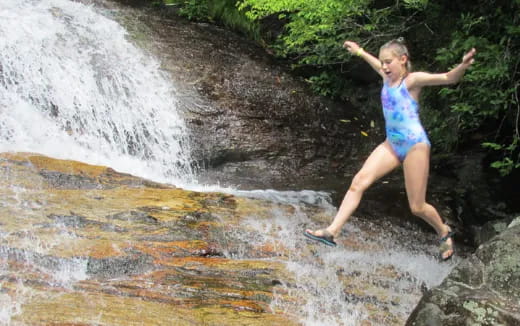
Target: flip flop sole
(323,240)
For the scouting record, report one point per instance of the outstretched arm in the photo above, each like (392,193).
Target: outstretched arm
(420,79)
(355,49)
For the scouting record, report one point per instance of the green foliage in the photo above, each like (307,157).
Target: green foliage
(485,106)
(325,84)
(193,9)
(505,165)
(416,4)
(221,11)
(315,29)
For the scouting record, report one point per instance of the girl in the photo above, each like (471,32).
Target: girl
(406,141)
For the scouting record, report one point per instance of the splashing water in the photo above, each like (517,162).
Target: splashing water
(377,279)
(72,86)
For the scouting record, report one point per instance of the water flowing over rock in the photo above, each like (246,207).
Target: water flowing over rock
(73,86)
(87,245)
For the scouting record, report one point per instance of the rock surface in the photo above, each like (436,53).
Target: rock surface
(85,245)
(254,124)
(482,290)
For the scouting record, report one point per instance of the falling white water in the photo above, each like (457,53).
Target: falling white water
(396,265)
(73,86)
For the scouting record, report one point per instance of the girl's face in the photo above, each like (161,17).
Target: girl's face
(393,66)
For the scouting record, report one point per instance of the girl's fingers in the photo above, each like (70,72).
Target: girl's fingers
(350,46)
(468,57)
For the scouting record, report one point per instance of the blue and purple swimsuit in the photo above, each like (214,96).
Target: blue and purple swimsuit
(403,127)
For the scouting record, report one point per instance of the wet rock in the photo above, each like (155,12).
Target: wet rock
(72,254)
(97,255)
(253,123)
(119,267)
(482,290)
(486,232)
(430,315)
(480,204)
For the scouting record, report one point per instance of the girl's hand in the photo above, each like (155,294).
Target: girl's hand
(468,57)
(351,47)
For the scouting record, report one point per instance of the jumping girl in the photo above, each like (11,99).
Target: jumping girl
(406,141)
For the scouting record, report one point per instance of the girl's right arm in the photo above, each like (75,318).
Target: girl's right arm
(355,49)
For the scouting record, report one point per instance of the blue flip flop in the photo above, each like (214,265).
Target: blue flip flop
(443,245)
(327,238)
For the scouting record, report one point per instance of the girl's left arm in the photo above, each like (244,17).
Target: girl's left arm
(420,79)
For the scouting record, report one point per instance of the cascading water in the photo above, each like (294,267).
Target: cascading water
(73,86)
(382,272)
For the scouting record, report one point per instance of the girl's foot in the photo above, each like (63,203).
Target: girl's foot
(446,244)
(323,236)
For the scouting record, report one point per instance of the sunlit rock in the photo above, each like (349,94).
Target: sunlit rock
(84,244)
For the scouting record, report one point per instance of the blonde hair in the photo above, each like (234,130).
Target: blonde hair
(398,47)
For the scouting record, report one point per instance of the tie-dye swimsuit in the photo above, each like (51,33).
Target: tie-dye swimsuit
(403,127)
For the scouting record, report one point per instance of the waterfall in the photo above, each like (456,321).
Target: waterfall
(73,86)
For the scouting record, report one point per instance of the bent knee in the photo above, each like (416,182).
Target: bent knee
(361,182)
(418,209)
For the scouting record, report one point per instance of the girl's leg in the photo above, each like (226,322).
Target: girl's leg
(416,169)
(380,162)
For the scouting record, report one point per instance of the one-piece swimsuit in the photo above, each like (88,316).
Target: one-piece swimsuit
(403,127)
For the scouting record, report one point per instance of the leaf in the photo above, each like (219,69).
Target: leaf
(493,146)
(364,134)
